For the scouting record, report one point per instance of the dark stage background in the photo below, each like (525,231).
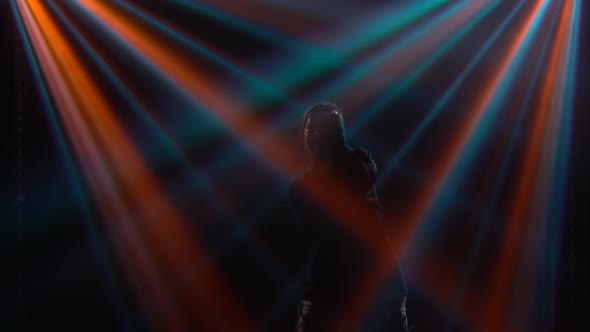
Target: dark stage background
(52,278)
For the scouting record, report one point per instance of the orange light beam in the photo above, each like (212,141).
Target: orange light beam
(125,236)
(190,77)
(457,145)
(500,290)
(203,92)
(170,239)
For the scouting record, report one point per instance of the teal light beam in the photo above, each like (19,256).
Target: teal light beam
(74,179)
(303,67)
(487,216)
(284,41)
(173,151)
(484,125)
(372,63)
(399,88)
(214,121)
(558,191)
(259,84)
(285,120)
(393,162)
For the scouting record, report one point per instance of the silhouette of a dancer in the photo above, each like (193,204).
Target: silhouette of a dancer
(340,176)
